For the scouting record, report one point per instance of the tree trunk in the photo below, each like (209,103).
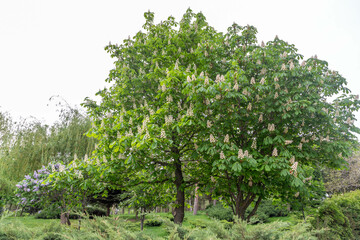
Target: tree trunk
(136,215)
(64,218)
(180,194)
(128,210)
(142,219)
(196,200)
(107,210)
(123,211)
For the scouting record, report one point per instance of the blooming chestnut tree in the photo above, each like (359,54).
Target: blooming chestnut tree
(189,105)
(269,114)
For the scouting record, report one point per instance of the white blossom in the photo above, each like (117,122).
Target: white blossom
(246,153)
(287,142)
(253,145)
(169,99)
(275,152)
(277,86)
(147,135)
(222,155)
(283,67)
(208,124)
(292,160)
(249,107)
(252,81)
(300,146)
(309,68)
(294,166)
(263,71)
(261,118)
(297,194)
(236,86)
(240,154)
(206,81)
(348,120)
(291,66)
(169,119)
(193,78)
(271,127)
(276,95)
(262,81)
(276,79)
(286,129)
(226,140)
(190,112)
(212,139)
(104,159)
(303,63)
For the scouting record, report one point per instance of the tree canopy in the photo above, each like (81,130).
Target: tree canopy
(189,105)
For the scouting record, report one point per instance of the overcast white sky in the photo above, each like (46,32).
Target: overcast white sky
(57,47)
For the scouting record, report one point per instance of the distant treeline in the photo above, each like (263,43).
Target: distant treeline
(28,144)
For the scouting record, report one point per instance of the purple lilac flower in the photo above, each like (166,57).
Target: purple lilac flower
(27,177)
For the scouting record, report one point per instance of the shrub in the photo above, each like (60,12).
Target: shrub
(153,223)
(51,212)
(227,225)
(266,210)
(341,215)
(96,211)
(198,224)
(220,212)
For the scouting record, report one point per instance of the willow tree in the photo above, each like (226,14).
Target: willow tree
(189,104)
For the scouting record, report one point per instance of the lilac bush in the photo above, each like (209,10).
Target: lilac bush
(33,191)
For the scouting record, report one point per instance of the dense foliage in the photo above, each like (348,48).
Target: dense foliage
(341,214)
(189,105)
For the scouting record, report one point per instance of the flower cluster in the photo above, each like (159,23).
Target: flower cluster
(271,127)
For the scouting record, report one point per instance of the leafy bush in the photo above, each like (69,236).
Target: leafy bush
(227,225)
(220,212)
(198,224)
(341,215)
(51,212)
(266,210)
(153,223)
(96,211)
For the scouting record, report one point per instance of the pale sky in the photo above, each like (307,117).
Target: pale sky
(57,47)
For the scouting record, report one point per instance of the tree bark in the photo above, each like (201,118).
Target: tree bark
(196,200)
(142,219)
(180,194)
(108,210)
(64,218)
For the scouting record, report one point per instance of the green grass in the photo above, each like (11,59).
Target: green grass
(159,232)
(31,221)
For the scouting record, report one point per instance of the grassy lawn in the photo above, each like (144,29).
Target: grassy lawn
(157,232)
